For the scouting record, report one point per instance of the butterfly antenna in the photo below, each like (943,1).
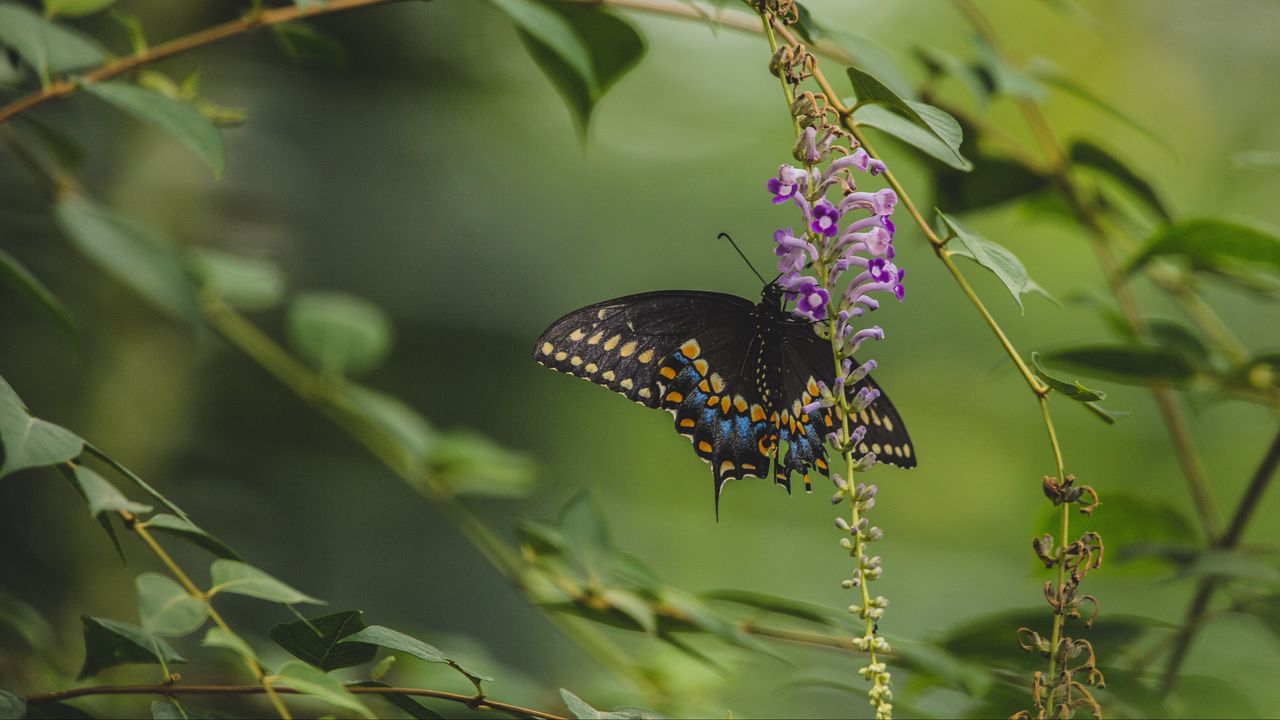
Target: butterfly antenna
(743,256)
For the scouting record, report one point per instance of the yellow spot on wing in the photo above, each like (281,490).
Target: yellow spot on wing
(575,361)
(612,342)
(875,417)
(562,355)
(906,451)
(888,424)
(628,348)
(644,393)
(601,313)
(645,356)
(813,388)
(626,383)
(577,335)
(609,375)
(592,367)
(547,348)
(701,366)
(595,339)
(691,349)
(875,448)
(726,466)
(757,413)
(740,403)
(717,382)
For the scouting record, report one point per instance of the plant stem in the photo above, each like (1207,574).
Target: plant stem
(1064,530)
(177,46)
(131,522)
(468,700)
(1198,610)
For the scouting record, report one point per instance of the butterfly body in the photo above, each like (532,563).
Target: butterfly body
(735,375)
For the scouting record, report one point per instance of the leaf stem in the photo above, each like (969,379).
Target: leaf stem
(131,522)
(468,700)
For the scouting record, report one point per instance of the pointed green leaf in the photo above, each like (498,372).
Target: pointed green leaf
(613,47)
(187,530)
(1086,154)
(310,681)
(471,464)
(240,281)
(220,638)
(240,578)
(1107,416)
(301,41)
(14,274)
(939,138)
(165,608)
(320,640)
(1070,388)
(48,47)
(996,258)
(109,643)
(579,709)
(634,606)
(1128,364)
(338,333)
(12,707)
(781,606)
(130,254)
(385,637)
(26,622)
(1207,244)
(31,442)
(102,496)
(541,22)
(943,132)
(404,428)
(178,119)
(697,613)
(133,478)
(586,538)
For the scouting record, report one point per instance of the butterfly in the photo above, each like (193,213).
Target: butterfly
(736,376)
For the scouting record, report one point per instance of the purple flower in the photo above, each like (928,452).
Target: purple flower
(811,299)
(791,251)
(826,219)
(785,186)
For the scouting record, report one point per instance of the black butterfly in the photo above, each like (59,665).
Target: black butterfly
(735,375)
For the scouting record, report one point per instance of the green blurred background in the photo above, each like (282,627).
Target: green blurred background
(439,175)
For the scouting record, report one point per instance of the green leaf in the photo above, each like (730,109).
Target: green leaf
(310,681)
(31,442)
(1257,160)
(338,333)
(798,609)
(187,530)
(139,482)
(68,471)
(301,41)
(1004,78)
(385,637)
(941,63)
(14,274)
(108,643)
(1107,416)
(1128,364)
(1207,244)
(220,638)
(578,708)
(1086,154)
(102,496)
(75,8)
(126,251)
(1233,565)
(996,258)
(694,611)
(471,464)
(410,704)
(586,538)
(612,45)
(46,46)
(925,139)
(543,23)
(165,608)
(992,182)
(12,707)
(937,125)
(240,578)
(181,121)
(132,26)
(1070,388)
(634,606)
(403,427)
(242,282)
(319,640)
(986,639)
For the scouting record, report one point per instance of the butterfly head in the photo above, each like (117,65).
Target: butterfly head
(772,295)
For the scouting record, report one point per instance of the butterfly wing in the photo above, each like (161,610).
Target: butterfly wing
(690,353)
(807,359)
